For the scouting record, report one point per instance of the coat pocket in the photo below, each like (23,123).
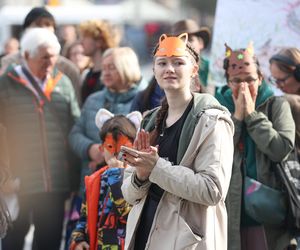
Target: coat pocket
(186,239)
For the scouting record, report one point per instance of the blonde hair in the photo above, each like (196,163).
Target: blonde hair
(99,30)
(126,63)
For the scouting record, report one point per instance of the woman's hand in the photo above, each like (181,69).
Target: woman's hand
(82,246)
(142,141)
(249,101)
(96,156)
(143,162)
(239,103)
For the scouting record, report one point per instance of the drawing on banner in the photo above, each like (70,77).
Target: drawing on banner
(270,24)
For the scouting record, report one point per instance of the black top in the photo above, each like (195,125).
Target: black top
(168,146)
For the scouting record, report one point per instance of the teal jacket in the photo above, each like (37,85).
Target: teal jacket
(36,143)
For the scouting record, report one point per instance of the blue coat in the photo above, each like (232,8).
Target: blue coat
(85,132)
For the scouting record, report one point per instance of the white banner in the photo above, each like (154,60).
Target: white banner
(270,24)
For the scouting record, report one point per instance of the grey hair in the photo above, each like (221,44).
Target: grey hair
(34,38)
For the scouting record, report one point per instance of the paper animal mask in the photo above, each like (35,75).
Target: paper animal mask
(240,61)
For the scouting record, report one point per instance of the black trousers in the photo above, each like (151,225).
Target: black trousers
(46,212)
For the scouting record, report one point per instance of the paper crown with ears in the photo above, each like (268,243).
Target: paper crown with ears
(240,61)
(103,115)
(172,45)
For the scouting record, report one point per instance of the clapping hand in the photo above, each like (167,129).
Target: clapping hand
(146,157)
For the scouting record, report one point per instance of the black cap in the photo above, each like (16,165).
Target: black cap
(35,14)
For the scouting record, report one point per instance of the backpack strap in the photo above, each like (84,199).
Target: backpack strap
(148,122)
(203,102)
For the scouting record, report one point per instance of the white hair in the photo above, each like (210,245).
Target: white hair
(34,38)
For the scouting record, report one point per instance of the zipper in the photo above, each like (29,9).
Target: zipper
(46,166)
(39,107)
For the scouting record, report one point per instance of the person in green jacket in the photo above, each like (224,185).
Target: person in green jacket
(38,106)
(258,140)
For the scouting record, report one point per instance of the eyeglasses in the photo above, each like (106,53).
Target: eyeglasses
(237,81)
(277,81)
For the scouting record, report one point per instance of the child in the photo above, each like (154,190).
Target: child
(104,211)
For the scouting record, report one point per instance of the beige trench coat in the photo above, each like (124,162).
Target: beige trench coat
(191,213)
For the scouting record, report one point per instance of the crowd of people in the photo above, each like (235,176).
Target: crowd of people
(102,159)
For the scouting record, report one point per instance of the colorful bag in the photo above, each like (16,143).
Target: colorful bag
(264,204)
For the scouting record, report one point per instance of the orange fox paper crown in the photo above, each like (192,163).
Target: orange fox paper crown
(240,61)
(172,46)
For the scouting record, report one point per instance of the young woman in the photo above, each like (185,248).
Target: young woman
(259,140)
(179,176)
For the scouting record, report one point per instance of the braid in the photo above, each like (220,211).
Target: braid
(192,51)
(159,122)
(161,115)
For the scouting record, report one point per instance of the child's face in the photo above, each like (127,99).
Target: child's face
(111,147)
(108,156)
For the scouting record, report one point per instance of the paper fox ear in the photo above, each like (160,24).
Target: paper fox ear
(102,116)
(172,45)
(162,37)
(250,48)
(185,36)
(135,117)
(228,50)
